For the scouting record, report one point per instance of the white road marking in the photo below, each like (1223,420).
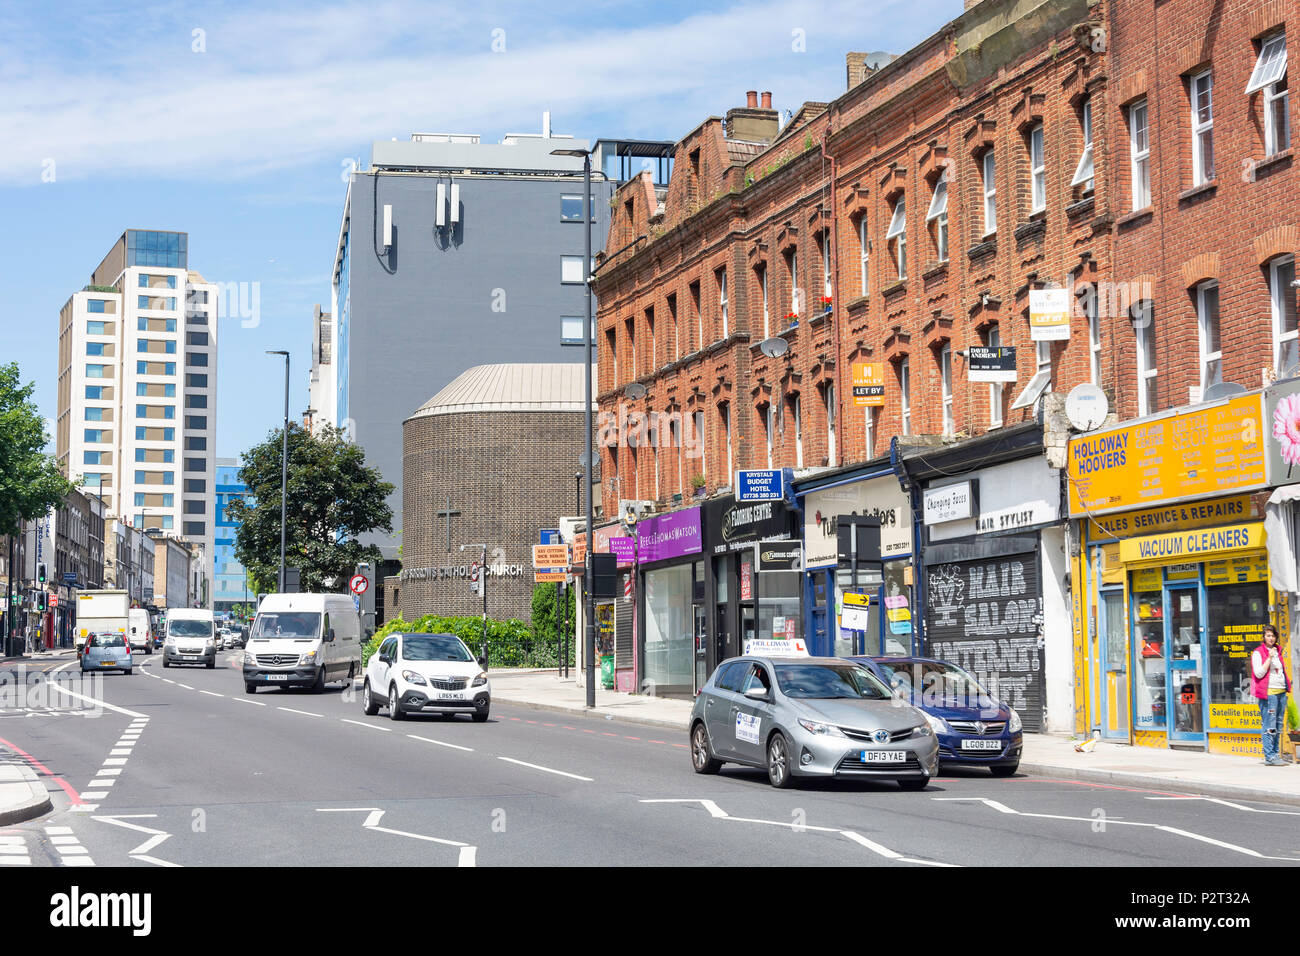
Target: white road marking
(54,685)
(186,686)
(155,836)
(1176,831)
(114,761)
(94,794)
(169,680)
(120,752)
(360,723)
(466,857)
(561,773)
(84,808)
(103,781)
(441,743)
(211,693)
(718,813)
(111,772)
(1235,806)
(305,713)
(71,852)
(245,700)
(58,830)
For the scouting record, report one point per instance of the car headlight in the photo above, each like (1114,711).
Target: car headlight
(308,658)
(480,680)
(937,724)
(249,658)
(411,677)
(813,727)
(170,640)
(1015,722)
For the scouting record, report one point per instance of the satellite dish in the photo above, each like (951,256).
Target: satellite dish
(1086,407)
(1221,390)
(774,347)
(634,391)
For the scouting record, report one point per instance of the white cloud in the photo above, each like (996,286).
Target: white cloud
(123,95)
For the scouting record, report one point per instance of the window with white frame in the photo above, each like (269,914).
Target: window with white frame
(1084,172)
(864,254)
(767,312)
(724,412)
(897,234)
(1144,328)
(721,276)
(1269,75)
(945,384)
(1139,155)
(993,339)
(824,246)
(1281,274)
(1037,170)
(1042,380)
(905,394)
(792,271)
(938,215)
(1202,93)
(675,436)
(1207,320)
(796,417)
(828,399)
(1092,310)
(869,429)
(990,193)
(698,421)
(769,428)
(571,269)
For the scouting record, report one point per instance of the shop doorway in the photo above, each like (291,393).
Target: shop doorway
(1113,654)
(1183,630)
(701,646)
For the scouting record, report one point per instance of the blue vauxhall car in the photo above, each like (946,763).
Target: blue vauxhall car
(974,728)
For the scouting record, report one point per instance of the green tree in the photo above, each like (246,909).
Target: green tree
(333,497)
(31,482)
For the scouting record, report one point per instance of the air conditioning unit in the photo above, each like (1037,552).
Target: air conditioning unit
(440,211)
(455,203)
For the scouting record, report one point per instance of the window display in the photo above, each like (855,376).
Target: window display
(1237,615)
(1149,701)
(670,630)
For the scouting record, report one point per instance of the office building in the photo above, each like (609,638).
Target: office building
(229,581)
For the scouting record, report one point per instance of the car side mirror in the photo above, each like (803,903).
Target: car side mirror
(482,662)
(330,635)
(756,693)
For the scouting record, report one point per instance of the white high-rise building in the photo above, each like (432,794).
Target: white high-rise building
(138,385)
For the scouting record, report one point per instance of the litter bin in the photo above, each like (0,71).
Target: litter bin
(607,671)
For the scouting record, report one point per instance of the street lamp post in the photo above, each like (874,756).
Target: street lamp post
(284,464)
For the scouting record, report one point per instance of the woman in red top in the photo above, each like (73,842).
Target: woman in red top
(1270,682)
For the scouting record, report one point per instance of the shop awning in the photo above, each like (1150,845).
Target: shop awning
(1280,525)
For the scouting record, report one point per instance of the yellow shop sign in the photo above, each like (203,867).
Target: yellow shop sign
(1185,546)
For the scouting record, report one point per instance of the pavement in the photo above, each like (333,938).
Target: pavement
(1219,776)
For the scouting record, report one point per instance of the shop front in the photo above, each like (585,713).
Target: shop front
(995,566)
(755,559)
(1174,577)
(671,584)
(827,503)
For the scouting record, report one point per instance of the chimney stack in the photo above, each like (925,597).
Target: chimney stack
(751,98)
(750,123)
(767,100)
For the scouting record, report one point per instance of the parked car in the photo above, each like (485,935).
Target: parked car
(303,640)
(107,651)
(191,637)
(974,729)
(426,673)
(809,717)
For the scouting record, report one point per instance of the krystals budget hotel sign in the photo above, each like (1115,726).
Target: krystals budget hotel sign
(1199,453)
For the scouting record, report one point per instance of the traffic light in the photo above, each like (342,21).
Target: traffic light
(40,573)
(40,598)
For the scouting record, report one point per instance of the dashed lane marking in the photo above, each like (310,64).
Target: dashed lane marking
(534,766)
(362,723)
(305,713)
(440,743)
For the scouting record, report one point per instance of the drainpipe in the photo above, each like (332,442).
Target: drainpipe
(899,464)
(833,250)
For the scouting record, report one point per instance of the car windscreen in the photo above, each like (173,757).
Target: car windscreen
(937,680)
(434,647)
(189,627)
(271,625)
(108,640)
(829,682)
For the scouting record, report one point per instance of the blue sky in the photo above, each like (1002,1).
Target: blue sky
(233,122)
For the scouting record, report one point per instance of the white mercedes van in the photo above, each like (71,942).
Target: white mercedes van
(303,640)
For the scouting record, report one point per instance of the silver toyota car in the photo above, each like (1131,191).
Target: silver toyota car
(809,716)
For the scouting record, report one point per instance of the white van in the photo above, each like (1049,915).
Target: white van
(303,640)
(139,629)
(191,637)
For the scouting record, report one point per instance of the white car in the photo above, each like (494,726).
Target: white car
(426,673)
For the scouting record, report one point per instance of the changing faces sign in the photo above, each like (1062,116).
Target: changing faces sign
(1012,497)
(881,498)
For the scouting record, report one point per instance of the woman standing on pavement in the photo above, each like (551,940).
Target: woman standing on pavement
(1270,683)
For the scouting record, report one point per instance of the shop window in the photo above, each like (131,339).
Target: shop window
(1236,614)
(1149,698)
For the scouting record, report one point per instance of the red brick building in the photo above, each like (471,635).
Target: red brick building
(827,233)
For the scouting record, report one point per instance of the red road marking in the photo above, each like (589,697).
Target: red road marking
(625,737)
(548,725)
(567,727)
(530,721)
(585,731)
(658,741)
(683,746)
(606,733)
(73,795)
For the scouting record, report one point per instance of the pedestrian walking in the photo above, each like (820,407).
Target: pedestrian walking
(1270,683)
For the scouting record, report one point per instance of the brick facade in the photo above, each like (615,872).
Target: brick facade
(982,83)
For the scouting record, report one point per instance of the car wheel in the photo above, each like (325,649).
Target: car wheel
(914,784)
(1005,771)
(250,687)
(368,705)
(166,663)
(212,663)
(702,758)
(778,762)
(394,708)
(480,717)
(319,686)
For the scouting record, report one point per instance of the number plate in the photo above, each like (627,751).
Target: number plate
(190,657)
(108,663)
(884,756)
(277,676)
(445,696)
(981,745)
